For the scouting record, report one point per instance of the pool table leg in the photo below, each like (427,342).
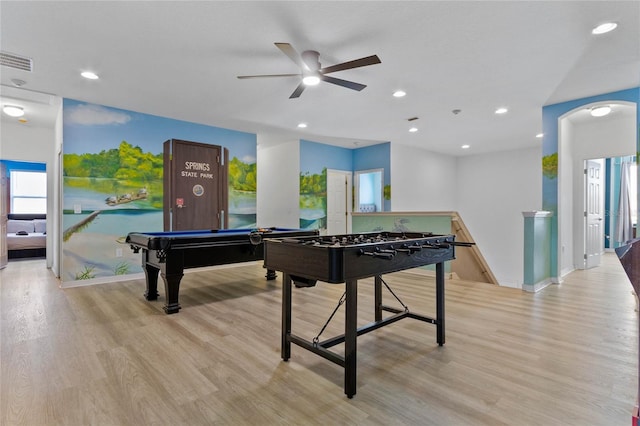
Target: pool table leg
(285,345)
(151,274)
(271,275)
(171,289)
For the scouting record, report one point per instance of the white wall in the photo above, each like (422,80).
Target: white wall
(566,229)
(20,142)
(54,261)
(422,180)
(278,183)
(492,192)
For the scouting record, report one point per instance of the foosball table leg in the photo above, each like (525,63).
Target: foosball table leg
(377,301)
(350,336)
(440,303)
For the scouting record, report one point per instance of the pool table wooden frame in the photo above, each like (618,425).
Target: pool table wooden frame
(170,253)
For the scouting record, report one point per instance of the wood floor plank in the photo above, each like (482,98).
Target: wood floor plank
(103,355)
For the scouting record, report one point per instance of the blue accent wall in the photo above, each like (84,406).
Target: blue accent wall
(23,166)
(316,156)
(375,157)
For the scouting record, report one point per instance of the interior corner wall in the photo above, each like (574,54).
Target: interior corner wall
(21,142)
(492,192)
(278,184)
(422,180)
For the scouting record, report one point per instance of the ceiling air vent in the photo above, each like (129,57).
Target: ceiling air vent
(15,61)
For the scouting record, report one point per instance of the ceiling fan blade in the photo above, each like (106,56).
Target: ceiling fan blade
(356,63)
(343,83)
(269,75)
(288,50)
(296,93)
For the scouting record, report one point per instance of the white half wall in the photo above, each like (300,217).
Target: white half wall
(422,180)
(492,192)
(278,184)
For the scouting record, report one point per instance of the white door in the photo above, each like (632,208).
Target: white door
(594,214)
(338,194)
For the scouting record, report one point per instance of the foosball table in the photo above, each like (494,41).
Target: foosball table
(337,259)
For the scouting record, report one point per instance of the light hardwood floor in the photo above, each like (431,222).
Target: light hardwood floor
(102,355)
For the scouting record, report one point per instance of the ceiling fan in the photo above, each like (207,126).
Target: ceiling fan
(311,72)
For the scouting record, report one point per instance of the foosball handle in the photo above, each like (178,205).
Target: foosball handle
(381,255)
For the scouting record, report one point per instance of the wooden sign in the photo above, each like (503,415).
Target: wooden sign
(195,186)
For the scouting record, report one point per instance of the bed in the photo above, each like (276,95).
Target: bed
(26,235)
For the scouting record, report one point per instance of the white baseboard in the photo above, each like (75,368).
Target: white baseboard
(532,288)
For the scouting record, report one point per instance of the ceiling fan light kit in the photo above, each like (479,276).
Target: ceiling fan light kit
(311,72)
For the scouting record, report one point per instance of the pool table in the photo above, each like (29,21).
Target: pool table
(170,253)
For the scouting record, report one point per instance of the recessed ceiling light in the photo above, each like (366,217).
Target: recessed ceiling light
(604,28)
(539,135)
(501,110)
(302,125)
(13,110)
(413,129)
(89,75)
(600,111)
(399,93)
(465,146)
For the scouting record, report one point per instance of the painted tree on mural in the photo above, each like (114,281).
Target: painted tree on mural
(125,162)
(314,183)
(242,176)
(550,166)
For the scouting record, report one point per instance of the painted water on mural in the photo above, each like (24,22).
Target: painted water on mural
(313,211)
(94,242)
(96,223)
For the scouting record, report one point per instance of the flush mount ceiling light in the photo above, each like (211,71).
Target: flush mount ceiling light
(13,111)
(399,93)
(539,135)
(413,129)
(501,110)
(89,75)
(465,146)
(302,125)
(600,111)
(604,28)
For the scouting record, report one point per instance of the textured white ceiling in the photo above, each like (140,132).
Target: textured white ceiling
(180,59)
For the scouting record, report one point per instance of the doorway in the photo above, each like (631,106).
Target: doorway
(369,186)
(338,202)
(582,137)
(593,213)
(23,210)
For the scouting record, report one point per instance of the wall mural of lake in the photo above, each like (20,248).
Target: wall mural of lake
(112,183)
